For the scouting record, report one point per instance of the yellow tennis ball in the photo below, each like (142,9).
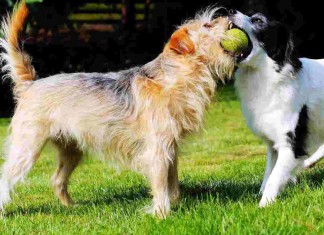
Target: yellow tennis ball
(236,41)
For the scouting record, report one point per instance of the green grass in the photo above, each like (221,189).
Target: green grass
(220,172)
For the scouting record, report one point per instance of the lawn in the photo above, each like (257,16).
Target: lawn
(221,170)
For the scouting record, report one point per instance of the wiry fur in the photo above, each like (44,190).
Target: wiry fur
(282,101)
(136,117)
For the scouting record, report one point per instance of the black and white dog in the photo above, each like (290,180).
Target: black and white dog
(282,99)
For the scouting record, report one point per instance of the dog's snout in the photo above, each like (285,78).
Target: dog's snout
(232,11)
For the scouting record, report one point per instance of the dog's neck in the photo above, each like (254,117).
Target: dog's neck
(185,69)
(152,69)
(263,81)
(181,88)
(265,70)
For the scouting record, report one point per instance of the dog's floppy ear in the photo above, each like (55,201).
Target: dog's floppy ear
(181,42)
(276,41)
(279,45)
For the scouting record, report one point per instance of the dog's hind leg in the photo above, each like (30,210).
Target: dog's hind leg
(312,160)
(69,157)
(24,146)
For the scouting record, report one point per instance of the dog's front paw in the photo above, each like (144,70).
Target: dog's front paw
(266,201)
(262,188)
(157,211)
(293,180)
(4,196)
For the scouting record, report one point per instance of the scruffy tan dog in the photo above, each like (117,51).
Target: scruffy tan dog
(136,116)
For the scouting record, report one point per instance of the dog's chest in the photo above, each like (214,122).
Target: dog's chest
(259,118)
(264,106)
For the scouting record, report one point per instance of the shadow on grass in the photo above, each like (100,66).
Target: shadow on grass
(226,93)
(202,190)
(314,177)
(225,191)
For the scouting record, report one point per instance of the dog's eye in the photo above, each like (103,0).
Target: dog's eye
(257,20)
(207,25)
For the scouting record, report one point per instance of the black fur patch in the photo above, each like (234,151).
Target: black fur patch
(298,139)
(277,41)
(123,84)
(117,84)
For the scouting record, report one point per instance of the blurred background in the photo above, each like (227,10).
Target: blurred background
(108,35)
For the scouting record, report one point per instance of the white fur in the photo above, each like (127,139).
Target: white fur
(271,103)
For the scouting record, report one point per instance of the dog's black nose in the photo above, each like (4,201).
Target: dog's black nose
(231,11)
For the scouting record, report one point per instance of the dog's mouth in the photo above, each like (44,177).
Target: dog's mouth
(246,52)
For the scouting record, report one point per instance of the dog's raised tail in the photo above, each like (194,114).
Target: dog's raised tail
(17,63)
